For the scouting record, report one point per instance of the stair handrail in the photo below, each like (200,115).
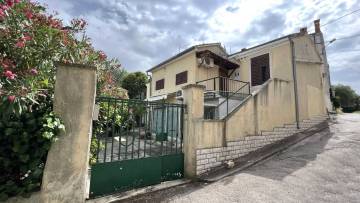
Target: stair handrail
(228,97)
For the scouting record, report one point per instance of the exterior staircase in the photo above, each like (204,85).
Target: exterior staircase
(223,95)
(290,129)
(209,159)
(218,106)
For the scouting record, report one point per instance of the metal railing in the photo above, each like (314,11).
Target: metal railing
(221,85)
(133,129)
(234,92)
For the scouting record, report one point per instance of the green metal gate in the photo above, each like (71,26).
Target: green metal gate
(135,144)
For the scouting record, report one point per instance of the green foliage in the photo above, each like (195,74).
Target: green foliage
(118,75)
(30,42)
(336,102)
(25,140)
(94,147)
(135,83)
(115,116)
(111,115)
(346,96)
(110,75)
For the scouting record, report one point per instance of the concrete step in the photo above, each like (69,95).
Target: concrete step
(286,129)
(277,133)
(290,125)
(290,129)
(317,119)
(313,122)
(320,116)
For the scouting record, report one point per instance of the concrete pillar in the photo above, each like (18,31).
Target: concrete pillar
(66,167)
(194,100)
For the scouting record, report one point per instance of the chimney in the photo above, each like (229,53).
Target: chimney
(317,26)
(303,31)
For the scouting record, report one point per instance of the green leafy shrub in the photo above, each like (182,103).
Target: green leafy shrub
(115,117)
(25,141)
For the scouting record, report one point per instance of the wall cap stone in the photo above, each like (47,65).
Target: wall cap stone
(263,86)
(193,85)
(75,65)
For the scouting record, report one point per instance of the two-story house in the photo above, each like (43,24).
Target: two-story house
(197,63)
(229,79)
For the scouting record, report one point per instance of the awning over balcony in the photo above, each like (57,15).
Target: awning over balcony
(218,60)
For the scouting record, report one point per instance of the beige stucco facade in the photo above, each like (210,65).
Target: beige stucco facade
(186,62)
(309,78)
(280,61)
(169,71)
(287,97)
(273,105)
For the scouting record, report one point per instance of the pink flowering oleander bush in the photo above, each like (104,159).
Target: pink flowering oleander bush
(31,41)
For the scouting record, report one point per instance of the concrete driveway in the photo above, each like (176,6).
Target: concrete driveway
(322,168)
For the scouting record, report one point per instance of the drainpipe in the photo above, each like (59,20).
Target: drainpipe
(150,81)
(293,62)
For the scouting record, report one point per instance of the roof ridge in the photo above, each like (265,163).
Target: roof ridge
(262,44)
(182,53)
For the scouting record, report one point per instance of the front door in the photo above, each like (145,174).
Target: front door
(260,69)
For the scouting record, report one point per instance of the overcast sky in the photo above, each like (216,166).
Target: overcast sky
(142,33)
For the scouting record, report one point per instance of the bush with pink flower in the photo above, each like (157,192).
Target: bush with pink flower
(30,42)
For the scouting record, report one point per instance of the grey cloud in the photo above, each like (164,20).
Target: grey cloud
(344,45)
(142,33)
(208,6)
(269,26)
(154,30)
(232,9)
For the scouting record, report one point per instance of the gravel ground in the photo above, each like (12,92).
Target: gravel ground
(322,168)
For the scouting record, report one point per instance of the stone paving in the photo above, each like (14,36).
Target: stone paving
(134,146)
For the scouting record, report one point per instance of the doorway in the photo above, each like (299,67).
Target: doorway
(260,70)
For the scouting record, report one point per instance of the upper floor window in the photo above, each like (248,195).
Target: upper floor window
(181,78)
(160,84)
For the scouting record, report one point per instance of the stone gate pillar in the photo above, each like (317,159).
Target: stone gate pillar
(66,169)
(194,100)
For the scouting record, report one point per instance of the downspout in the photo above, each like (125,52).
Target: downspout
(150,81)
(293,62)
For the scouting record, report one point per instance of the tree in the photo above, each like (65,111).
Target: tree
(118,75)
(347,96)
(135,83)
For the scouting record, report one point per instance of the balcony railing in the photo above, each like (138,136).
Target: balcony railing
(222,85)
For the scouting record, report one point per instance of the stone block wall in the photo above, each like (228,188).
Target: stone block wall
(207,159)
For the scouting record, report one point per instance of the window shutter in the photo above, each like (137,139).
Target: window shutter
(160,84)
(181,78)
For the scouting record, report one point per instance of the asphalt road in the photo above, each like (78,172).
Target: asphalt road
(322,168)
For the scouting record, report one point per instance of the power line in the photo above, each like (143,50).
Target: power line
(323,25)
(339,18)
(345,51)
(349,37)
(342,38)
